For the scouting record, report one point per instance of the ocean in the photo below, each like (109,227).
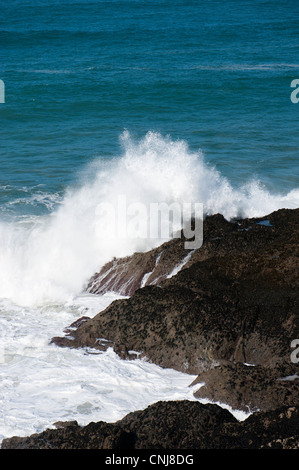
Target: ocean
(163,101)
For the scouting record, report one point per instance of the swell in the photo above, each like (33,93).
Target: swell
(52,257)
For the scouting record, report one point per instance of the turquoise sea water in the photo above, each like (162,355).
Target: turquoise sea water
(77,73)
(154,101)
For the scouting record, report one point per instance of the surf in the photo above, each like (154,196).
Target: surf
(51,257)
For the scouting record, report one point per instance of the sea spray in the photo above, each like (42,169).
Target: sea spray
(50,258)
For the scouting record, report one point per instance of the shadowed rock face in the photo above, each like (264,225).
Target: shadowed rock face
(235,300)
(221,238)
(126,275)
(249,388)
(173,425)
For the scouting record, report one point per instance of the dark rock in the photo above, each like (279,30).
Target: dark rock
(65,424)
(163,425)
(125,275)
(250,388)
(235,300)
(76,324)
(271,429)
(174,425)
(220,238)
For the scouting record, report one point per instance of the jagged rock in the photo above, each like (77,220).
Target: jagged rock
(220,238)
(76,324)
(125,275)
(65,424)
(272,429)
(250,388)
(173,425)
(235,300)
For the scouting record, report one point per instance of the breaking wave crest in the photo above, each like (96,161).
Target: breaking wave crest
(51,258)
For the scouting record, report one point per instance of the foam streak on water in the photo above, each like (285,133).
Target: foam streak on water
(46,260)
(41,383)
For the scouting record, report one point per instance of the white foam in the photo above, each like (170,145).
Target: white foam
(45,262)
(180,266)
(240,415)
(289,378)
(51,258)
(147,275)
(42,383)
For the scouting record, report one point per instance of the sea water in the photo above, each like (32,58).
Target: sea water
(161,101)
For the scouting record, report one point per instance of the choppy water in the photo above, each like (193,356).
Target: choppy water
(174,101)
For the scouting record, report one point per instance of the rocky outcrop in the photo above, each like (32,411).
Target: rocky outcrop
(276,429)
(227,312)
(249,388)
(173,425)
(235,300)
(220,238)
(126,275)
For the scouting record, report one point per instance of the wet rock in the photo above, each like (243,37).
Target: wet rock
(125,275)
(272,429)
(163,425)
(235,300)
(65,424)
(174,425)
(250,388)
(76,324)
